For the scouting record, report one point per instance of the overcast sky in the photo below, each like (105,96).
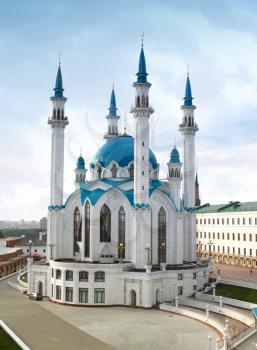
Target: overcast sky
(99,42)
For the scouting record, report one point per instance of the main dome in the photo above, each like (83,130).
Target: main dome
(121,150)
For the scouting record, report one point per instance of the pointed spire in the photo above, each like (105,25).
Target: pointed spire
(142,75)
(196,180)
(188,94)
(113,108)
(58,90)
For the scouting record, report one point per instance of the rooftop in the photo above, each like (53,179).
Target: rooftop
(227,207)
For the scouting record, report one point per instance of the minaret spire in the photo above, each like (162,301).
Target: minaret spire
(197,193)
(112,117)
(58,122)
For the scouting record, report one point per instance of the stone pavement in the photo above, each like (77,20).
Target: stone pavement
(238,273)
(39,328)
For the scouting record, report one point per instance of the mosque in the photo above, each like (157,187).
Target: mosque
(123,237)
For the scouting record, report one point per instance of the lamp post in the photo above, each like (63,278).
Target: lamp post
(210,341)
(210,244)
(30,246)
(121,249)
(199,243)
(148,250)
(51,246)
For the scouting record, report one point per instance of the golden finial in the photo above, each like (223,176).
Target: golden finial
(60,56)
(188,70)
(142,40)
(113,83)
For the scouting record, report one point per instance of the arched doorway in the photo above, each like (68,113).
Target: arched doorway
(157,296)
(133,298)
(40,288)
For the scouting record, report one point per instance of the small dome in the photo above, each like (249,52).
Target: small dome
(174,156)
(121,150)
(80,163)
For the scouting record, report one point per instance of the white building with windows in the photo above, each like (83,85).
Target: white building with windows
(228,232)
(123,237)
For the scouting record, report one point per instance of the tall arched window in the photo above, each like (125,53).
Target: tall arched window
(162,236)
(122,230)
(87,230)
(131,170)
(76,230)
(105,224)
(99,171)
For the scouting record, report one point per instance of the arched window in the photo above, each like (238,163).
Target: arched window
(138,101)
(114,170)
(105,224)
(58,113)
(54,113)
(131,170)
(162,236)
(99,171)
(87,230)
(76,230)
(62,114)
(121,248)
(143,101)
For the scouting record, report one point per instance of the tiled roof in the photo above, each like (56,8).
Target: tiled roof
(228,207)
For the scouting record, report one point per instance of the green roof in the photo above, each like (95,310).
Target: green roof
(228,207)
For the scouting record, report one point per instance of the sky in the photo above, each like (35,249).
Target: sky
(99,42)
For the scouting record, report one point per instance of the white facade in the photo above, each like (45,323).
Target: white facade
(127,233)
(228,232)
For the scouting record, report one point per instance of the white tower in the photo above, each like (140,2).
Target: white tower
(112,118)
(141,112)
(188,128)
(80,172)
(58,122)
(174,176)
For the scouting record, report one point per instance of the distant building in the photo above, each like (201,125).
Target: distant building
(43,224)
(38,246)
(11,262)
(228,232)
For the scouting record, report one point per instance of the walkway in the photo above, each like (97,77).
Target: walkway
(39,328)
(237,273)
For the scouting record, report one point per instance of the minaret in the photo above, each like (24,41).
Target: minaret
(188,128)
(112,118)
(174,176)
(80,172)
(58,122)
(141,112)
(197,194)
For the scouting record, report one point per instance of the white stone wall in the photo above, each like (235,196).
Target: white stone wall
(209,231)
(188,169)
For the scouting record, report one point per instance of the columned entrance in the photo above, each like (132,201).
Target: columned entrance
(133,298)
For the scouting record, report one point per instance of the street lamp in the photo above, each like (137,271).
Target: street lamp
(121,249)
(30,245)
(148,250)
(51,246)
(210,244)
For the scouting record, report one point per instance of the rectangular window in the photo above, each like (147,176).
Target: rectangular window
(194,275)
(69,275)
(209,221)
(204,221)
(213,235)
(218,235)
(213,221)
(196,234)
(204,234)
(227,221)
(196,221)
(213,248)
(180,276)
(99,276)
(99,296)
(200,221)
(228,236)
(223,249)
(250,237)
(58,292)
(233,236)
(83,276)
(218,221)
(250,221)
(228,250)
(250,252)
(218,248)
(83,295)
(239,251)
(243,221)
(233,250)
(180,290)
(244,237)
(194,287)
(244,251)
(209,235)
(52,272)
(255,221)
(58,274)
(233,221)
(255,238)
(69,294)
(201,234)
(238,236)
(238,221)
(222,220)
(52,290)
(223,235)
(143,173)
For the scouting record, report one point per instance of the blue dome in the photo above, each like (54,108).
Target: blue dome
(174,156)
(121,150)
(81,163)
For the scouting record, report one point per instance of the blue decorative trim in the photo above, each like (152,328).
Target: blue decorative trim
(141,205)
(54,207)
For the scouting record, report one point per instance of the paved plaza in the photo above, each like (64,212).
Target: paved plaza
(238,273)
(46,326)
